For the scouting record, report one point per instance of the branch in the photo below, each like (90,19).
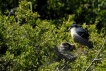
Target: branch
(96,55)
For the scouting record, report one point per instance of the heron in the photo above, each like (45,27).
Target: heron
(63,51)
(80,35)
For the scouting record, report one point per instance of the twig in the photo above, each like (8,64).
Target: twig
(96,55)
(30,4)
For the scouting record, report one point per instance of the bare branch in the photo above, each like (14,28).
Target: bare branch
(96,55)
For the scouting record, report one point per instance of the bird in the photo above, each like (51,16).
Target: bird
(65,47)
(63,51)
(80,35)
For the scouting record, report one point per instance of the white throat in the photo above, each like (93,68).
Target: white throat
(73,32)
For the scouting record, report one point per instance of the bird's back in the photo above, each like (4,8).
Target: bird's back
(82,41)
(82,32)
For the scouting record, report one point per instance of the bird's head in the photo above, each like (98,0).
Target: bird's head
(65,46)
(74,26)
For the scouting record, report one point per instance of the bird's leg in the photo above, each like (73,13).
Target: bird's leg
(80,49)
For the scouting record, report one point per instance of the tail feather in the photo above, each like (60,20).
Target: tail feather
(90,45)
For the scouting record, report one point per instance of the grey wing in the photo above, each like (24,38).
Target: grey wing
(83,33)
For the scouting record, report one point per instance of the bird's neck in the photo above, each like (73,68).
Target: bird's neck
(73,32)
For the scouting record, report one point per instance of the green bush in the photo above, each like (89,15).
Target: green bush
(84,10)
(28,42)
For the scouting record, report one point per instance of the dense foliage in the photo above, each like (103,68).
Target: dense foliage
(29,34)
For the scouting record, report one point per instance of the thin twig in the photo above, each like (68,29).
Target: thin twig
(96,55)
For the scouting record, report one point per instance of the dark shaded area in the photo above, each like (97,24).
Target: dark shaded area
(3,46)
(85,11)
(4,64)
(45,13)
(42,8)
(7,5)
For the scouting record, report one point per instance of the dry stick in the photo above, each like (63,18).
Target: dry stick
(96,55)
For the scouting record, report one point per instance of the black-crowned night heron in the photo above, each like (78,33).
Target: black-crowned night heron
(80,36)
(63,51)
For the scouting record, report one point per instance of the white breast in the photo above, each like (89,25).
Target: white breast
(73,32)
(75,36)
